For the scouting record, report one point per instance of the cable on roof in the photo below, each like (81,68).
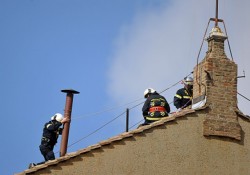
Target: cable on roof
(197,63)
(243,96)
(106,110)
(109,109)
(228,41)
(136,124)
(96,129)
(174,84)
(163,91)
(119,106)
(198,56)
(121,115)
(118,115)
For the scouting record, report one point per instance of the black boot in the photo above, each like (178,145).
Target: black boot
(31,165)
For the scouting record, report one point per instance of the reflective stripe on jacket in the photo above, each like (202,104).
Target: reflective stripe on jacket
(182,98)
(155,107)
(51,132)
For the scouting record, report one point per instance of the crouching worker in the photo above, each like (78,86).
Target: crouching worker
(155,107)
(183,96)
(51,131)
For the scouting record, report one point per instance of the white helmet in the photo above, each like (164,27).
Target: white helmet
(188,81)
(148,91)
(58,117)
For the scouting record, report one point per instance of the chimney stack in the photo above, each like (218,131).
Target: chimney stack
(215,78)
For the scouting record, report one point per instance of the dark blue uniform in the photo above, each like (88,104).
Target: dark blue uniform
(183,98)
(51,132)
(154,108)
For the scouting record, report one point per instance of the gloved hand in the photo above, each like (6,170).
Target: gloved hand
(65,120)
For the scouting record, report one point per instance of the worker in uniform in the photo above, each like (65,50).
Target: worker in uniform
(183,96)
(51,131)
(155,106)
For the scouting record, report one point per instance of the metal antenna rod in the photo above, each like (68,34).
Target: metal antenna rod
(67,114)
(127,120)
(216,13)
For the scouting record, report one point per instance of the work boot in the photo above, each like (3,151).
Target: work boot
(31,165)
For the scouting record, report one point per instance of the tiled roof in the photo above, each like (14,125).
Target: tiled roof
(117,138)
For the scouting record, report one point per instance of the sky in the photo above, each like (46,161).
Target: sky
(109,51)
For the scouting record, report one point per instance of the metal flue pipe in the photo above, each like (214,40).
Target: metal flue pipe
(67,114)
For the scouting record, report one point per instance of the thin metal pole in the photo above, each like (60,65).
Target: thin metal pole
(228,41)
(127,119)
(216,13)
(67,114)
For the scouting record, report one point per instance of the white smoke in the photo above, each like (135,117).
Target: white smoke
(160,46)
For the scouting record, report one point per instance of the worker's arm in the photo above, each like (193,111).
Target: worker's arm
(53,126)
(178,99)
(145,108)
(167,107)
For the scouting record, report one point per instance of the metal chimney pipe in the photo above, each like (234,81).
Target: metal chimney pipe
(67,114)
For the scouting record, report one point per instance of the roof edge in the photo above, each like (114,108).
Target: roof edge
(122,136)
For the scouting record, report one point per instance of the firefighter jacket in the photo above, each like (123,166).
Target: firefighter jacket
(155,107)
(51,132)
(183,98)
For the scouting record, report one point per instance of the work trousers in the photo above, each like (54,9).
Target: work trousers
(47,151)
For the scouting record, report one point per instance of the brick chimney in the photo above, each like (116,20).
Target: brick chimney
(215,80)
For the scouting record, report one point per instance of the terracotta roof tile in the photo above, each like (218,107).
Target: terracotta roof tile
(105,142)
(126,134)
(52,162)
(35,168)
(116,138)
(95,146)
(73,154)
(138,130)
(83,151)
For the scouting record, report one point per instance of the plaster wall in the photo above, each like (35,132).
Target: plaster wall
(178,147)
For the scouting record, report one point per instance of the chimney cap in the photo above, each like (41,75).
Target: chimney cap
(72,91)
(216,31)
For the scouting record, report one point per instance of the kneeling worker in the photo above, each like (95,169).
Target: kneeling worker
(155,107)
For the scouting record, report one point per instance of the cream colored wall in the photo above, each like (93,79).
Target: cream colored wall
(175,148)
